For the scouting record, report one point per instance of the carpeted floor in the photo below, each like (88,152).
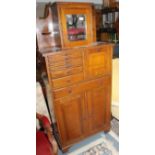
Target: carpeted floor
(115,126)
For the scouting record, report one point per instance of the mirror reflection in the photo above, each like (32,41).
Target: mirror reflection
(76,27)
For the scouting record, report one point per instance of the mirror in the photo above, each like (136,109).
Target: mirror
(76,27)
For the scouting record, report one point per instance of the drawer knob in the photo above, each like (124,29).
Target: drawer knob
(66,54)
(84,118)
(99,50)
(69,81)
(68,65)
(68,72)
(66,59)
(69,91)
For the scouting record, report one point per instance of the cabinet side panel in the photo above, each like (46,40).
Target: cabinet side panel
(56,26)
(94,24)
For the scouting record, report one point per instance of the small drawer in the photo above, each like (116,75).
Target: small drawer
(82,87)
(66,72)
(61,57)
(68,64)
(66,61)
(66,81)
(60,93)
(63,92)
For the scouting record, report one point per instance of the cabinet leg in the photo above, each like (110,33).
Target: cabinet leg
(64,150)
(107,129)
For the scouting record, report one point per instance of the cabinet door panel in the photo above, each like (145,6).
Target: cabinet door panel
(97,61)
(98,103)
(69,114)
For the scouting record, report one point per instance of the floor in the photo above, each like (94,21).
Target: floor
(115,126)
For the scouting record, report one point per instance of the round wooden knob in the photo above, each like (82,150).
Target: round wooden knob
(68,81)
(68,72)
(69,91)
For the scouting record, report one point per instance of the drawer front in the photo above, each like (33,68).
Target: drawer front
(64,61)
(67,64)
(82,87)
(65,72)
(62,56)
(66,81)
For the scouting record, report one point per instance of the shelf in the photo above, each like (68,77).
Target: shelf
(108,30)
(110,10)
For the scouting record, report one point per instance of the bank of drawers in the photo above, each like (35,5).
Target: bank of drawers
(82,87)
(66,68)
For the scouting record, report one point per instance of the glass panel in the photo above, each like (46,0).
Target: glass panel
(76,27)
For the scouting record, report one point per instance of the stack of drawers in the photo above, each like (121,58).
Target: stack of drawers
(66,68)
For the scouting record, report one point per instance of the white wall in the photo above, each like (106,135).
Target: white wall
(91,1)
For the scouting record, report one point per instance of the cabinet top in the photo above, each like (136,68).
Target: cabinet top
(72,3)
(51,51)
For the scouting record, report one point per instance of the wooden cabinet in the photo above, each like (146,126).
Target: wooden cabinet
(79,71)
(80,81)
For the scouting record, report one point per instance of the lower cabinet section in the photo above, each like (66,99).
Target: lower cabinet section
(83,113)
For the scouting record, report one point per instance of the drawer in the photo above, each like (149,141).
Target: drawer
(64,61)
(82,87)
(60,93)
(62,56)
(68,80)
(66,72)
(68,64)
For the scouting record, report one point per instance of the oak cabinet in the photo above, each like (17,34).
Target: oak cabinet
(79,71)
(80,82)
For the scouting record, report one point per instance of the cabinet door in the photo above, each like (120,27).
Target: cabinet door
(76,24)
(70,114)
(98,107)
(97,61)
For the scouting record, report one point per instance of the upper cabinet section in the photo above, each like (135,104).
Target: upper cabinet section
(76,24)
(71,24)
